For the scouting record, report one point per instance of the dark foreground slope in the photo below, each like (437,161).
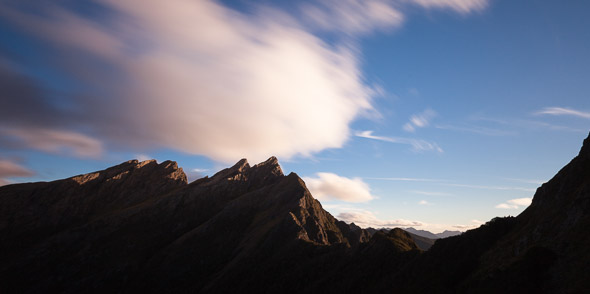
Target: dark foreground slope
(140,226)
(543,250)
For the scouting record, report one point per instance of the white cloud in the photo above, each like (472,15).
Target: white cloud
(417,145)
(365,219)
(515,203)
(460,6)
(419,120)
(198,77)
(424,202)
(9,169)
(55,141)
(564,111)
(204,79)
(329,186)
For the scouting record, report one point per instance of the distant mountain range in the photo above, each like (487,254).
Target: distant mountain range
(430,235)
(140,226)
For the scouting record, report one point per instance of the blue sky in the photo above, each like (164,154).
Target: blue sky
(437,114)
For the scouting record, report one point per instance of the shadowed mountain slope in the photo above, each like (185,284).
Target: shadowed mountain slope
(140,226)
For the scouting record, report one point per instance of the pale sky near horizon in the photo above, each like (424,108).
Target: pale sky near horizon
(436,114)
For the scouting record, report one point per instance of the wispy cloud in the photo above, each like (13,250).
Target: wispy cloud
(564,111)
(329,186)
(461,6)
(515,203)
(10,169)
(517,125)
(449,183)
(353,16)
(419,120)
(490,187)
(424,202)
(417,145)
(477,130)
(430,193)
(526,181)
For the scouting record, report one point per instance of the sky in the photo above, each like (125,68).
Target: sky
(434,114)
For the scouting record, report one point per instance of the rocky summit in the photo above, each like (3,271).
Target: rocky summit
(140,226)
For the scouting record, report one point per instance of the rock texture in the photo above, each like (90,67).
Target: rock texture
(140,226)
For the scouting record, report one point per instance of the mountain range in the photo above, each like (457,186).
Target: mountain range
(140,226)
(431,235)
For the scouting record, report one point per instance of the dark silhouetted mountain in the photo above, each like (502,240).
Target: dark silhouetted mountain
(140,226)
(422,242)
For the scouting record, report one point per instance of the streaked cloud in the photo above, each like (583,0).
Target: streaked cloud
(564,111)
(419,120)
(53,141)
(417,145)
(460,6)
(353,16)
(515,203)
(490,187)
(10,169)
(526,181)
(329,186)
